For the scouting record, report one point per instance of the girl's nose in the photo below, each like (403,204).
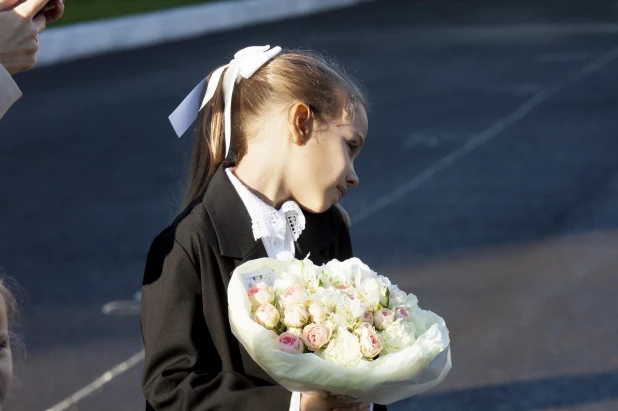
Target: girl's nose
(352,179)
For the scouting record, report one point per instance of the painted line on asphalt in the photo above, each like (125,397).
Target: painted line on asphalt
(485,136)
(99,382)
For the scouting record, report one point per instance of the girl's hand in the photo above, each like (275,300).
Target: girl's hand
(315,401)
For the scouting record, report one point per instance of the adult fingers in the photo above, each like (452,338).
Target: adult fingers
(6,5)
(39,22)
(55,12)
(30,8)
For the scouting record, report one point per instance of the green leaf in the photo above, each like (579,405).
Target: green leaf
(388,297)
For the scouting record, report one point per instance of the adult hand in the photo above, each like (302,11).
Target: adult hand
(314,401)
(19,29)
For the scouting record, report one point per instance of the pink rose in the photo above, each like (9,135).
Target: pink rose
(318,313)
(383,318)
(402,313)
(289,342)
(370,344)
(295,316)
(260,294)
(293,295)
(315,336)
(267,316)
(367,317)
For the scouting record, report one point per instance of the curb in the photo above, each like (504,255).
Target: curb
(125,33)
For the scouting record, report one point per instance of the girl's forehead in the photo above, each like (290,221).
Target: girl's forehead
(358,122)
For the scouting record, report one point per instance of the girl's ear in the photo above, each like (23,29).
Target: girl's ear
(300,120)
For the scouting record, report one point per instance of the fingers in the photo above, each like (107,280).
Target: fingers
(55,12)
(6,5)
(39,22)
(30,8)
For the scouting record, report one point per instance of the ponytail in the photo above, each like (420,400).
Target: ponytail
(209,146)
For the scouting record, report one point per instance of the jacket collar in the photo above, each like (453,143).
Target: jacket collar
(233,228)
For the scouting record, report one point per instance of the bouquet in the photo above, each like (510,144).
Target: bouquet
(339,328)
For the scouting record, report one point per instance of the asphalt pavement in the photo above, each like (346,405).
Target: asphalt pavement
(489,188)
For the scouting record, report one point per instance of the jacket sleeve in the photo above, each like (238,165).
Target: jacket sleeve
(9,92)
(182,369)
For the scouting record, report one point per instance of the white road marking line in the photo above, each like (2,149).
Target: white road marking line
(485,136)
(472,144)
(130,307)
(99,382)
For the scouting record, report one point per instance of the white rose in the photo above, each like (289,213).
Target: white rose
(295,315)
(344,349)
(398,336)
(260,294)
(318,313)
(289,342)
(383,318)
(267,316)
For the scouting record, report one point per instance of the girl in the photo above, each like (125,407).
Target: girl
(7,311)
(274,153)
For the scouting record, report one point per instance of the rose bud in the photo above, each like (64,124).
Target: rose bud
(267,316)
(260,294)
(370,344)
(318,313)
(383,318)
(291,343)
(293,295)
(367,317)
(402,313)
(295,316)
(360,328)
(315,336)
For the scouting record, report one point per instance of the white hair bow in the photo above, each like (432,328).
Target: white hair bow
(246,62)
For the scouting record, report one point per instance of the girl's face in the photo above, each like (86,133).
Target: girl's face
(322,170)
(6,360)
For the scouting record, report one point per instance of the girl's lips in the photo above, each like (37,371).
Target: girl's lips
(341,191)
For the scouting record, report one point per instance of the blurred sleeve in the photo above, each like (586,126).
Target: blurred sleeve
(182,367)
(9,92)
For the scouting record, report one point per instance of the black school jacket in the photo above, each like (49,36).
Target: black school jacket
(193,361)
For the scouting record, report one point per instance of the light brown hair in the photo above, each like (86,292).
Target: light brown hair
(290,77)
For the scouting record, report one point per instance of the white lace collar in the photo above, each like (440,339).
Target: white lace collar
(267,221)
